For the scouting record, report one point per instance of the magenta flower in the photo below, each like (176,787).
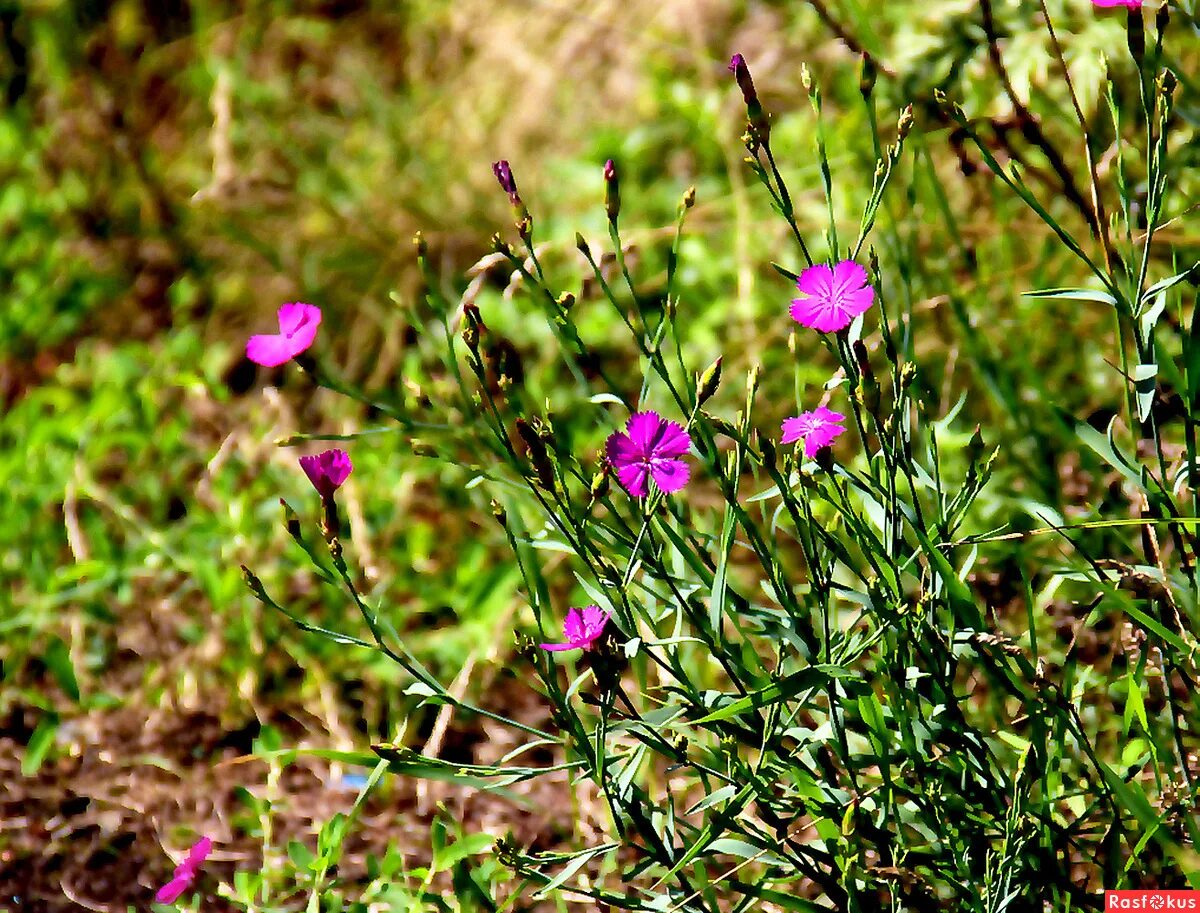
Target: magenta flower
(1108,4)
(581,629)
(650,450)
(327,470)
(817,429)
(832,297)
(185,872)
(298,324)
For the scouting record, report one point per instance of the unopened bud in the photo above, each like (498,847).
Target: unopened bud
(806,78)
(499,513)
(582,245)
(724,426)
(905,124)
(421,245)
(867,74)
(689,198)
(759,124)
(612,191)
(506,180)
(753,376)
(907,375)
(291,522)
(600,484)
(1162,18)
(975,446)
(708,383)
(538,455)
(1135,33)
(766,447)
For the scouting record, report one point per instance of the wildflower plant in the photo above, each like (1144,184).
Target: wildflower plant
(786,692)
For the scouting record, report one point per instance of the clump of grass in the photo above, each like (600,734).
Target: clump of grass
(788,692)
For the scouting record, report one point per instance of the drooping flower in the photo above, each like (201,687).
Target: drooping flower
(831,297)
(650,448)
(298,324)
(327,470)
(185,872)
(817,429)
(581,629)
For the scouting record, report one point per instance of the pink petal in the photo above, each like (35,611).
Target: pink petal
(848,276)
(670,475)
(199,852)
(672,441)
(171,891)
(573,626)
(633,477)
(559,648)
(268,351)
(299,322)
(643,427)
(594,620)
(621,450)
(793,429)
(816,280)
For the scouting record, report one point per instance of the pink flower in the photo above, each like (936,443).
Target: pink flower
(297,328)
(1108,4)
(650,450)
(185,872)
(817,429)
(327,470)
(832,297)
(581,629)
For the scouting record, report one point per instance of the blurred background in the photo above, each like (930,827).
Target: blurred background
(172,171)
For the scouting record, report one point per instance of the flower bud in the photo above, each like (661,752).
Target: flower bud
(904,126)
(708,383)
(1135,34)
(538,455)
(582,245)
(506,180)
(1162,18)
(975,446)
(499,513)
(612,191)
(907,375)
(868,73)
(565,302)
(689,198)
(870,386)
(759,125)
(421,245)
(766,447)
(600,484)
(291,522)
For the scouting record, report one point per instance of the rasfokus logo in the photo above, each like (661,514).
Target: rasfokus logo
(1152,901)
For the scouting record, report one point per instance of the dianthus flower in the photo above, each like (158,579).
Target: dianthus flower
(327,470)
(831,297)
(650,448)
(581,629)
(1131,4)
(185,872)
(817,429)
(298,324)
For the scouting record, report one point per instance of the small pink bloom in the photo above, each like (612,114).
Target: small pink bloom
(185,872)
(832,296)
(327,470)
(581,629)
(817,429)
(650,448)
(297,328)
(1131,4)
